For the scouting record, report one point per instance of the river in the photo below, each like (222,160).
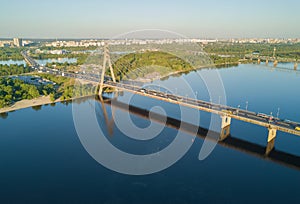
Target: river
(41,62)
(43,160)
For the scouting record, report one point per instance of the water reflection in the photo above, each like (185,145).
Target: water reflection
(37,108)
(4,115)
(232,142)
(40,61)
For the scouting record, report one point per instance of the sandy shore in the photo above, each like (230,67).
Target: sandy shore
(28,103)
(43,100)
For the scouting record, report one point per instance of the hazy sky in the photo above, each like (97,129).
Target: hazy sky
(193,18)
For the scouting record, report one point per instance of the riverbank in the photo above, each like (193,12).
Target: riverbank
(43,100)
(159,77)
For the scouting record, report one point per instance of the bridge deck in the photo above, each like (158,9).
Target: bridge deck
(219,109)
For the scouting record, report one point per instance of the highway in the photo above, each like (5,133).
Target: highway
(43,69)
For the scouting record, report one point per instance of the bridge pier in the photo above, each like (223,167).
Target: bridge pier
(275,63)
(271,140)
(295,66)
(258,61)
(225,127)
(267,62)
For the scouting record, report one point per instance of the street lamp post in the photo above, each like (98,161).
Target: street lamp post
(278,112)
(271,117)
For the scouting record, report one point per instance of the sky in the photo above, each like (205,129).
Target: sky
(110,18)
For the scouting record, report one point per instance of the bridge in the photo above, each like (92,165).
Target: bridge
(31,62)
(226,113)
(273,59)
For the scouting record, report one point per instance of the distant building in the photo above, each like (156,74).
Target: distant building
(18,42)
(5,43)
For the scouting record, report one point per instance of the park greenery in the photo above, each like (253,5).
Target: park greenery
(283,50)
(11,53)
(13,69)
(144,64)
(13,90)
(67,88)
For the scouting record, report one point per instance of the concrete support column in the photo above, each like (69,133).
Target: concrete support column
(225,127)
(267,62)
(275,63)
(258,61)
(271,140)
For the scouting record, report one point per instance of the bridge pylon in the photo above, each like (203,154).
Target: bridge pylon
(225,127)
(106,61)
(271,140)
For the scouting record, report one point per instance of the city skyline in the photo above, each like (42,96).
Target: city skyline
(195,19)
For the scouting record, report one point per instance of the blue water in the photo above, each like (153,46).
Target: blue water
(41,62)
(9,62)
(58,60)
(43,160)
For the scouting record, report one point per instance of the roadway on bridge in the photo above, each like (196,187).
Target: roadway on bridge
(240,114)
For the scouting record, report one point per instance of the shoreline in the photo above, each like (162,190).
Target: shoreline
(215,66)
(40,101)
(26,103)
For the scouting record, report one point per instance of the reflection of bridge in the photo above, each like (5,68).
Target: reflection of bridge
(226,112)
(231,142)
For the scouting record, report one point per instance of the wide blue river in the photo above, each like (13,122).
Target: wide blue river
(43,159)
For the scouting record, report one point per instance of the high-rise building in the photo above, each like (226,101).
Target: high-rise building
(18,42)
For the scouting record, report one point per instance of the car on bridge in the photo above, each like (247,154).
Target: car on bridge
(143,90)
(226,111)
